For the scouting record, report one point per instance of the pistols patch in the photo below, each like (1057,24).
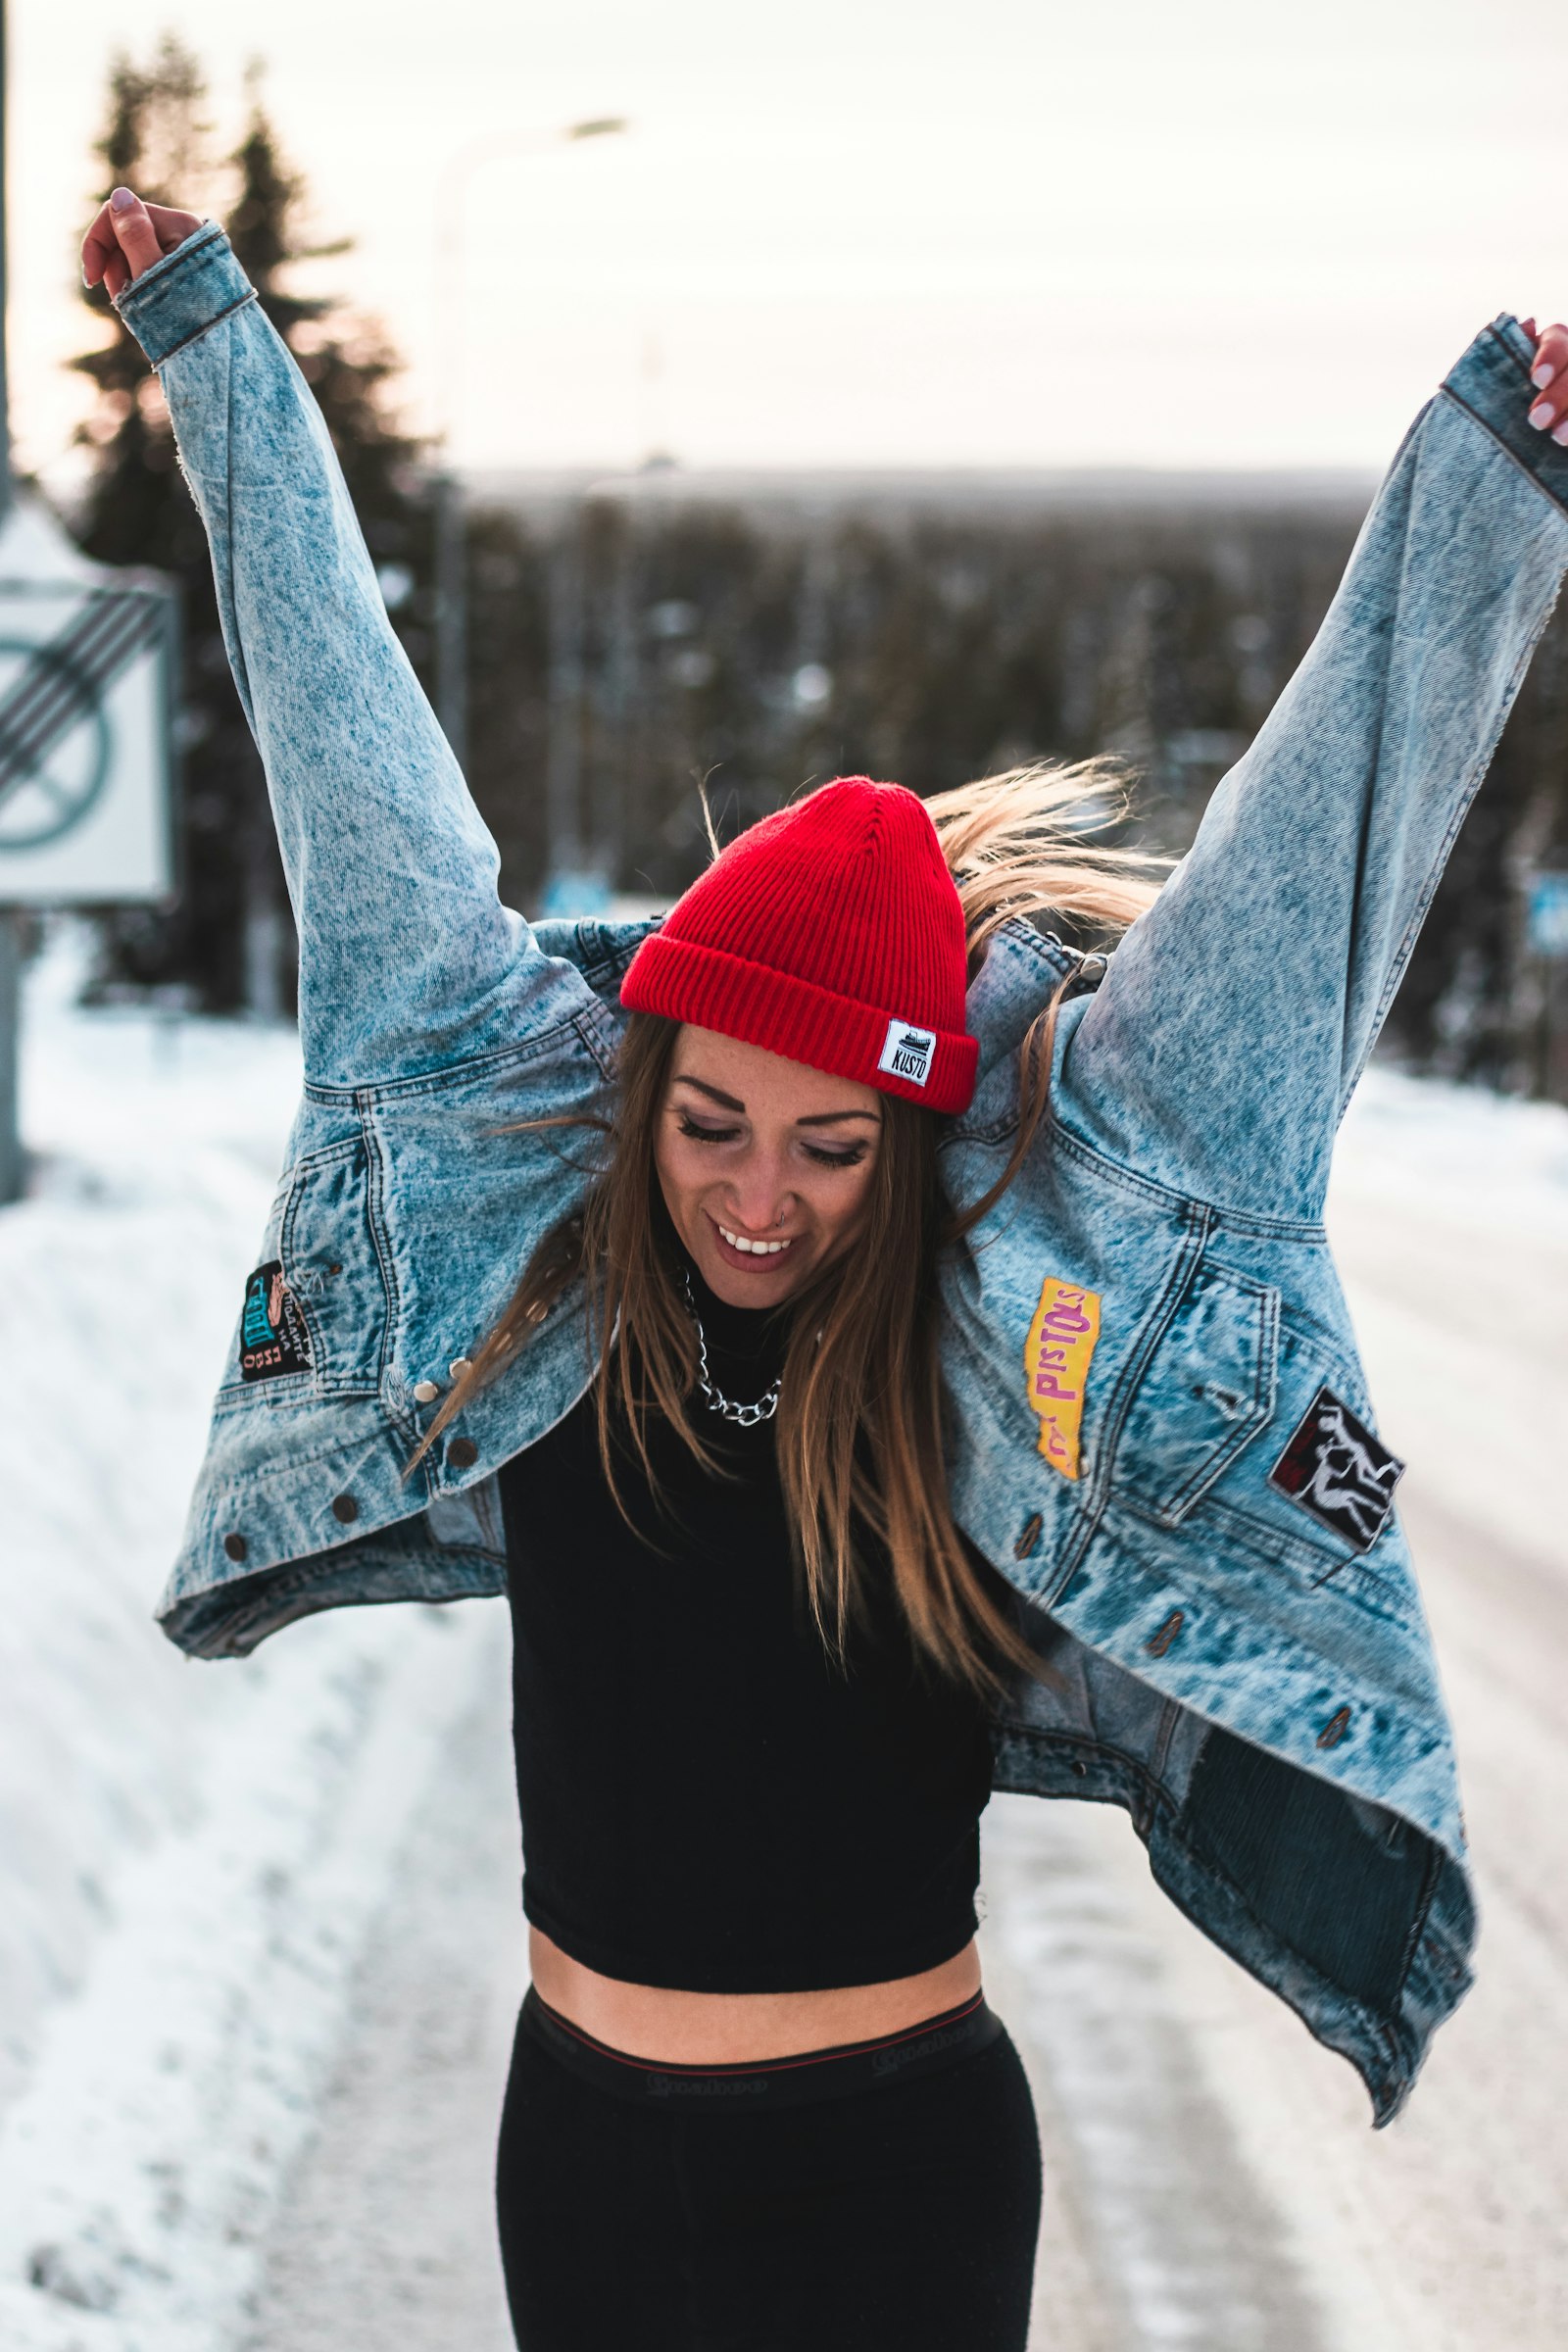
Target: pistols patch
(1061,1339)
(1338,1471)
(272,1334)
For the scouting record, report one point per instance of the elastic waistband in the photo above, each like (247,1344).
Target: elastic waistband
(793,2081)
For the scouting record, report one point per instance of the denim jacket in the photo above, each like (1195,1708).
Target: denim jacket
(1160,1426)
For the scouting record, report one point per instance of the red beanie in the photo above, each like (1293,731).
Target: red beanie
(830,933)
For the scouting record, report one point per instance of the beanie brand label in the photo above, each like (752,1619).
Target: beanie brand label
(907,1053)
(1061,1339)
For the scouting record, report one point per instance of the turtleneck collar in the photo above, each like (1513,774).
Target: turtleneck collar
(756,1336)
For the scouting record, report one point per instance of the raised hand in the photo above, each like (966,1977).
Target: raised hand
(1549,405)
(127,236)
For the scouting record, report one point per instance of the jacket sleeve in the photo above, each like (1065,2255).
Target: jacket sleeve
(407,960)
(1238,1014)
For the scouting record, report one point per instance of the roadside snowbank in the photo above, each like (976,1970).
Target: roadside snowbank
(157,1147)
(190,1856)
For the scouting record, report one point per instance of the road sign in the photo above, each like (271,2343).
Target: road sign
(86,657)
(1547,914)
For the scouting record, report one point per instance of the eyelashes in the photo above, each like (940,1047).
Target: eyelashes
(849,1157)
(706,1135)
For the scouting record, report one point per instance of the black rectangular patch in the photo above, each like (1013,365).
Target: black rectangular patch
(273,1336)
(1338,1471)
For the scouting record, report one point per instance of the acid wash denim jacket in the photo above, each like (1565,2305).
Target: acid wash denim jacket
(1161,1432)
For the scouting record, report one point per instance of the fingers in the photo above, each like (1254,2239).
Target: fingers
(127,236)
(1548,377)
(100,249)
(138,239)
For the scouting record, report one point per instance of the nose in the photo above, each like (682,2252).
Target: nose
(758,1195)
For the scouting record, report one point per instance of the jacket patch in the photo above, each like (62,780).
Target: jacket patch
(272,1337)
(1061,1339)
(1338,1471)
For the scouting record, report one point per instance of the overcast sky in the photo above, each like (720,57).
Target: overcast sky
(1008,232)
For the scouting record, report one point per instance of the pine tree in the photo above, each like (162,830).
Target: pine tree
(229,942)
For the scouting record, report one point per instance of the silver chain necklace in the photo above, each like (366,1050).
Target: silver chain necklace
(744,1416)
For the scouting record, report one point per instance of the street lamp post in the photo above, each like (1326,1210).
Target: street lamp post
(447,311)
(451,614)
(11,1154)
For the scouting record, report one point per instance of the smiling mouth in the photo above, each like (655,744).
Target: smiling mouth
(745,1248)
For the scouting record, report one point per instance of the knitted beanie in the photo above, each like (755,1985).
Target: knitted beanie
(830,933)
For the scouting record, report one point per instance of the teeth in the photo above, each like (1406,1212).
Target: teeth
(753,1249)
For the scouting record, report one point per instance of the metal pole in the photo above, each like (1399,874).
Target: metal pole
(612,826)
(5,389)
(10,1154)
(452,616)
(564,774)
(447,318)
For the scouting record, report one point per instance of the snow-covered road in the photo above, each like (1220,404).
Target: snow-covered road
(259,1943)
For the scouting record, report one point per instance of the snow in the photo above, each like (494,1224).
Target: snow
(192,1854)
(1448,1214)
(1487,1162)
(195,1856)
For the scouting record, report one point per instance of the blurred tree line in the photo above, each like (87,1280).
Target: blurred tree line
(229,942)
(629,642)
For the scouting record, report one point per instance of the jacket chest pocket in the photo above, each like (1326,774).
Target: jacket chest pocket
(320,1285)
(1207,1392)
(335,1270)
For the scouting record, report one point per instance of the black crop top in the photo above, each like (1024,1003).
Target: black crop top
(707,1801)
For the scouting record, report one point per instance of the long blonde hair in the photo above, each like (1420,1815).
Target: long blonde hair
(859,1418)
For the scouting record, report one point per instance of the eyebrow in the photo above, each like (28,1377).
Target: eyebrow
(820,1119)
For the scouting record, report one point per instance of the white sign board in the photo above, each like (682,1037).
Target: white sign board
(85,661)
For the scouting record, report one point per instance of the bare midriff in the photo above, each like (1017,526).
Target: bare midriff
(734,2029)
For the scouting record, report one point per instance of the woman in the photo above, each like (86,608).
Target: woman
(884,1354)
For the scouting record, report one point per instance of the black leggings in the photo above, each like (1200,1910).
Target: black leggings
(882,2198)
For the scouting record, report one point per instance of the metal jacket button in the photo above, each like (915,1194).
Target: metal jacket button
(458,1366)
(345,1507)
(462,1454)
(425,1391)
(1161,1641)
(235,1547)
